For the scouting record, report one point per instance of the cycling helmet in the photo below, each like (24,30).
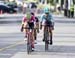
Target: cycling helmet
(46,10)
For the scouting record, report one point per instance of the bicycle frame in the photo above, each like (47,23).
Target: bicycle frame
(29,41)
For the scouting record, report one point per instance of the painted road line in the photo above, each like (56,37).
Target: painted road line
(13,45)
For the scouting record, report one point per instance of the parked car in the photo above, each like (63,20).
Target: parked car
(12,4)
(7,9)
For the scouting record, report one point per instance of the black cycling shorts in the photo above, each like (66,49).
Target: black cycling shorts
(31,25)
(49,23)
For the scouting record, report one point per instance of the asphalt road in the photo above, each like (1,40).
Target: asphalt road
(12,44)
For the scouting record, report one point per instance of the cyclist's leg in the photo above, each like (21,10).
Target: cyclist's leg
(50,30)
(35,34)
(37,25)
(51,35)
(44,33)
(32,38)
(26,30)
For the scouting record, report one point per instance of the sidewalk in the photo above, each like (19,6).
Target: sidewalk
(21,14)
(10,15)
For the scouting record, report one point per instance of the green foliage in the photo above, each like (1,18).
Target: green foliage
(51,2)
(74,1)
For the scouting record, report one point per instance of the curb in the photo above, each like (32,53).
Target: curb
(10,15)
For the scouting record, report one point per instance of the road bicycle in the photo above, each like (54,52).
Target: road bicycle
(29,40)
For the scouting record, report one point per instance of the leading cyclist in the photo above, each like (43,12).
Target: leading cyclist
(29,21)
(47,21)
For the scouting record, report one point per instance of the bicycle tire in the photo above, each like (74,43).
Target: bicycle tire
(29,48)
(46,39)
(46,46)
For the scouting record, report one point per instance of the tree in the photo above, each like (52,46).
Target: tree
(74,1)
(51,2)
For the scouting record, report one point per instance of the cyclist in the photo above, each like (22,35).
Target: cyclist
(36,26)
(36,20)
(28,21)
(47,21)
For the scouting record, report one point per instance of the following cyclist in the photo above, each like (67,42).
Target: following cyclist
(47,21)
(36,29)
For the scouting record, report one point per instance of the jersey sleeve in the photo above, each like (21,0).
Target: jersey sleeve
(23,20)
(42,18)
(52,18)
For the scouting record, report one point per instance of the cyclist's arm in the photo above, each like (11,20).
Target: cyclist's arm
(23,21)
(42,18)
(41,21)
(22,25)
(52,20)
(36,19)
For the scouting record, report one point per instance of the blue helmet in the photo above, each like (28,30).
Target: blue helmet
(46,10)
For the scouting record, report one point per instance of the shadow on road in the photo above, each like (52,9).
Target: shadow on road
(40,49)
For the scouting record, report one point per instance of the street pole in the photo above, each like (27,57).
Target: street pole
(55,4)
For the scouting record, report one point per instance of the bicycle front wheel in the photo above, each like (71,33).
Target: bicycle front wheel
(29,48)
(46,40)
